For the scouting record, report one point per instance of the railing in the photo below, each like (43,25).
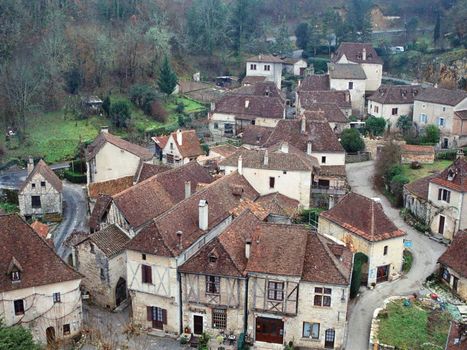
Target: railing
(328,189)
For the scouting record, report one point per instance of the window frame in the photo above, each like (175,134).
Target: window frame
(322,297)
(350,85)
(36,202)
(18,306)
(385,250)
(252,66)
(56,297)
(277,293)
(43,184)
(313,333)
(267,67)
(272,182)
(213,285)
(15,276)
(146,274)
(66,329)
(423,118)
(219,318)
(444,195)
(323,159)
(441,121)
(394,111)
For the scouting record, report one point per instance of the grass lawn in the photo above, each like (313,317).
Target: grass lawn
(415,327)
(425,170)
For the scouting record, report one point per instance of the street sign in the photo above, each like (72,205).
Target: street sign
(407,244)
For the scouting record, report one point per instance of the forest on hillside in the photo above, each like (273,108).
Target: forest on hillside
(53,49)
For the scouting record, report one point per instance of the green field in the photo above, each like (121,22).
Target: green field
(425,170)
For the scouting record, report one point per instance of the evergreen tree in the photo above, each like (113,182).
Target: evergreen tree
(16,337)
(106,105)
(243,22)
(437,30)
(167,78)
(302,35)
(283,44)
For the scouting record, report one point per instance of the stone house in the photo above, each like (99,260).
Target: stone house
(295,66)
(267,66)
(315,82)
(352,78)
(37,289)
(169,240)
(330,113)
(445,109)
(109,157)
(361,223)
(281,209)
(41,192)
(217,154)
(364,55)
(417,153)
(101,259)
(392,101)
(453,264)
(307,100)
(415,195)
(180,147)
(280,168)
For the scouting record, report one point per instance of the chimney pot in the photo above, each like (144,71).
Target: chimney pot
(187,189)
(303,125)
(179,137)
(203,214)
(285,147)
(309,148)
(364,54)
(247,248)
(180,235)
(240,165)
(266,158)
(247,103)
(30,166)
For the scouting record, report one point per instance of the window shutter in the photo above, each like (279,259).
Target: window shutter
(439,194)
(149,313)
(448,196)
(164,316)
(149,274)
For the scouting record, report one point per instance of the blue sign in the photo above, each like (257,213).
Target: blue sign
(408,244)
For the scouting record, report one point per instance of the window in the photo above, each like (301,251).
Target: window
(143,256)
(444,195)
(276,291)
(322,296)
(376,109)
(451,175)
(102,274)
(444,109)
(43,184)
(66,329)
(15,276)
(423,118)
(253,66)
(57,297)
(213,284)
(216,125)
(171,145)
(446,275)
(311,330)
(157,315)
(267,67)
(253,122)
(36,201)
(385,251)
(284,172)
(394,111)
(91,248)
(350,85)
(441,121)
(219,318)
(212,258)
(323,159)
(272,182)
(146,274)
(33,185)
(19,307)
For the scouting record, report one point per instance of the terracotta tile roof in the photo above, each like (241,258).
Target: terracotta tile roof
(39,265)
(224,150)
(150,198)
(253,79)
(332,170)
(266,88)
(160,236)
(160,141)
(458,170)
(417,149)
(346,71)
(314,83)
(461,114)
(308,99)
(104,137)
(395,94)
(455,334)
(441,96)
(147,170)
(353,52)
(100,208)
(40,228)
(265,58)
(455,256)
(74,238)
(419,187)
(48,174)
(190,146)
(254,207)
(256,135)
(111,240)
(279,204)
(331,112)
(293,159)
(251,106)
(364,217)
(110,187)
(318,132)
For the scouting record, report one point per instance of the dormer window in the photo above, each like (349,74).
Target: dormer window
(212,258)
(15,270)
(15,276)
(451,175)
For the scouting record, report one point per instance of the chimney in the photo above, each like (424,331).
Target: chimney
(203,214)
(460,154)
(213,106)
(187,189)
(285,147)
(240,165)
(309,148)
(260,57)
(247,103)
(179,236)
(299,83)
(364,54)
(303,125)
(104,129)
(30,165)
(266,158)
(179,137)
(247,248)
(331,202)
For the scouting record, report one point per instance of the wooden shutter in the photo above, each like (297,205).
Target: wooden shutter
(440,193)
(149,274)
(448,196)
(149,313)
(164,316)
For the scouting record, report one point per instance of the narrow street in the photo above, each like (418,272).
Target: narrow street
(425,252)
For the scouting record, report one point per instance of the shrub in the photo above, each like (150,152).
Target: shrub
(375,126)
(205,148)
(75,178)
(352,141)
(396,187)
(415,165)
(359,260)
(120,114)
(181,120)
(106,105)
(158,112)
(431,134)
(78,166)
(180,108)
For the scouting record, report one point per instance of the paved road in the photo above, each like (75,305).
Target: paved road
(425,251)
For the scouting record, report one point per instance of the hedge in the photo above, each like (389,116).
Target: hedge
(359,260)
(75,178)
(448,154)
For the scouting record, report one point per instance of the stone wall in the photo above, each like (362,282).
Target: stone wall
(51,199)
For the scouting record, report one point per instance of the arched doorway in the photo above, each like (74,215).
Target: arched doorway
(50,334)
(329,337)
(120,291)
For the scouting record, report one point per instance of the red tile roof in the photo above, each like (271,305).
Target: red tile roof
(364,217)
(247,204)
(224,150)
(147,170)
(40,228)
(417,149)
(330,112)
(441,96)
(160,141)
(253,79)
(420,187)
(314,83)
(256,135)
(265,58)
(110,240)
(458,181)
(190,146)
(265,88)
(223,195)
(104,137)
(308,99)
(461,114)
(455,256)
(110,187)
(48,174)
(39,265)
(103,202)
(346,71)
(395,94)
(279,204)
(251,106)
(354,53)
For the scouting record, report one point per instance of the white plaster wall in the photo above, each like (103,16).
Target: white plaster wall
(433,111)
(336,158)
(275,74)
(357,93)
(385,111)
(374,75)
(221,119)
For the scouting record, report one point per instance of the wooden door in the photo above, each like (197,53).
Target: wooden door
(455,282)
(382,273)
(442,220)
(50,334)
(197,324)
(120,291)
(270,330)
(329,337)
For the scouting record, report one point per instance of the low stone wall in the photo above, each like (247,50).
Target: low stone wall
(357,157)
(372,145)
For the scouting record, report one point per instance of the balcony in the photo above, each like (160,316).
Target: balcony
(333,190)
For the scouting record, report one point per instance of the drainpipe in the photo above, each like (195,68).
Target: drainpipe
(180,311)
(245,317)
